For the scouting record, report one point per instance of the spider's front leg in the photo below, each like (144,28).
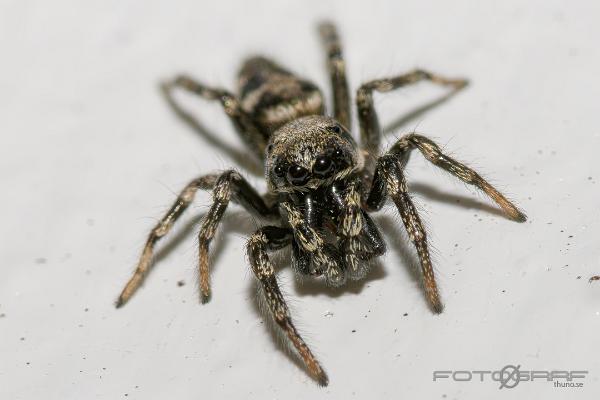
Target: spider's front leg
(225,186)
(325,256)
(266,239)
(389,180)
(432,152)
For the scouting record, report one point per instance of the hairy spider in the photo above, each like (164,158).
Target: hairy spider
(321,184)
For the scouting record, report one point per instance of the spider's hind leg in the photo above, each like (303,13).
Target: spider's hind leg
(337,71)
(243,123)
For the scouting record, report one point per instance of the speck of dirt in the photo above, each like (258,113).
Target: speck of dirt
(2,315)
(405,314)
(27,363)
(181,283)
(353,330)
(41,260)
(503,291)
(86,309)
(22,339)
(579,277)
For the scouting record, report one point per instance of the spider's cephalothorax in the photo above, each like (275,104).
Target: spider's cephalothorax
(322,185)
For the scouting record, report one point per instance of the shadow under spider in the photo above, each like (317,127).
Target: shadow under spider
(432,193)
(241,158)
(419,111)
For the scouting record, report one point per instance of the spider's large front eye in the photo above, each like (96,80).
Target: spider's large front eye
(323,166)
(297,175)
(340,158)
(279,171)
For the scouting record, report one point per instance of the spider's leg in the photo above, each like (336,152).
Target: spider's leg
(230,183)
(389,179)
(370,133)
(337,70)
(242,122)
(272,238)
(161,229)
(224,183)
(323,254)
(434,154)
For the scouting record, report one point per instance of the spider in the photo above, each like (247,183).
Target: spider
(322,185)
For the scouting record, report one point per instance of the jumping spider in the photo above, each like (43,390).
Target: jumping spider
(322,185)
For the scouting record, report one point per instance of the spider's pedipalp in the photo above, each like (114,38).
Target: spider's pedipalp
(323,254)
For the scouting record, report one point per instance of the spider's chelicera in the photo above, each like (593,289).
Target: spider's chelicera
(322,185)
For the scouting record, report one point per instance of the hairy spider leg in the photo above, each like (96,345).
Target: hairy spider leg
(370,131)
(269,238)
(224,186)
(337,72)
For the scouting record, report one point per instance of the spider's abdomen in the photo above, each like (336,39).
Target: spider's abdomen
(273,96)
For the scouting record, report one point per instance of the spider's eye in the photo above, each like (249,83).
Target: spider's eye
(336,129)
(323,166)
(340,159)
(279,171)
(297,175)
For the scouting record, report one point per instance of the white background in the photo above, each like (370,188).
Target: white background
(91,155)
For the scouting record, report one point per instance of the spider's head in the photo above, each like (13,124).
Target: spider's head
(310,152)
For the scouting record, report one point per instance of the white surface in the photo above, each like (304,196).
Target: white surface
(91,156)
